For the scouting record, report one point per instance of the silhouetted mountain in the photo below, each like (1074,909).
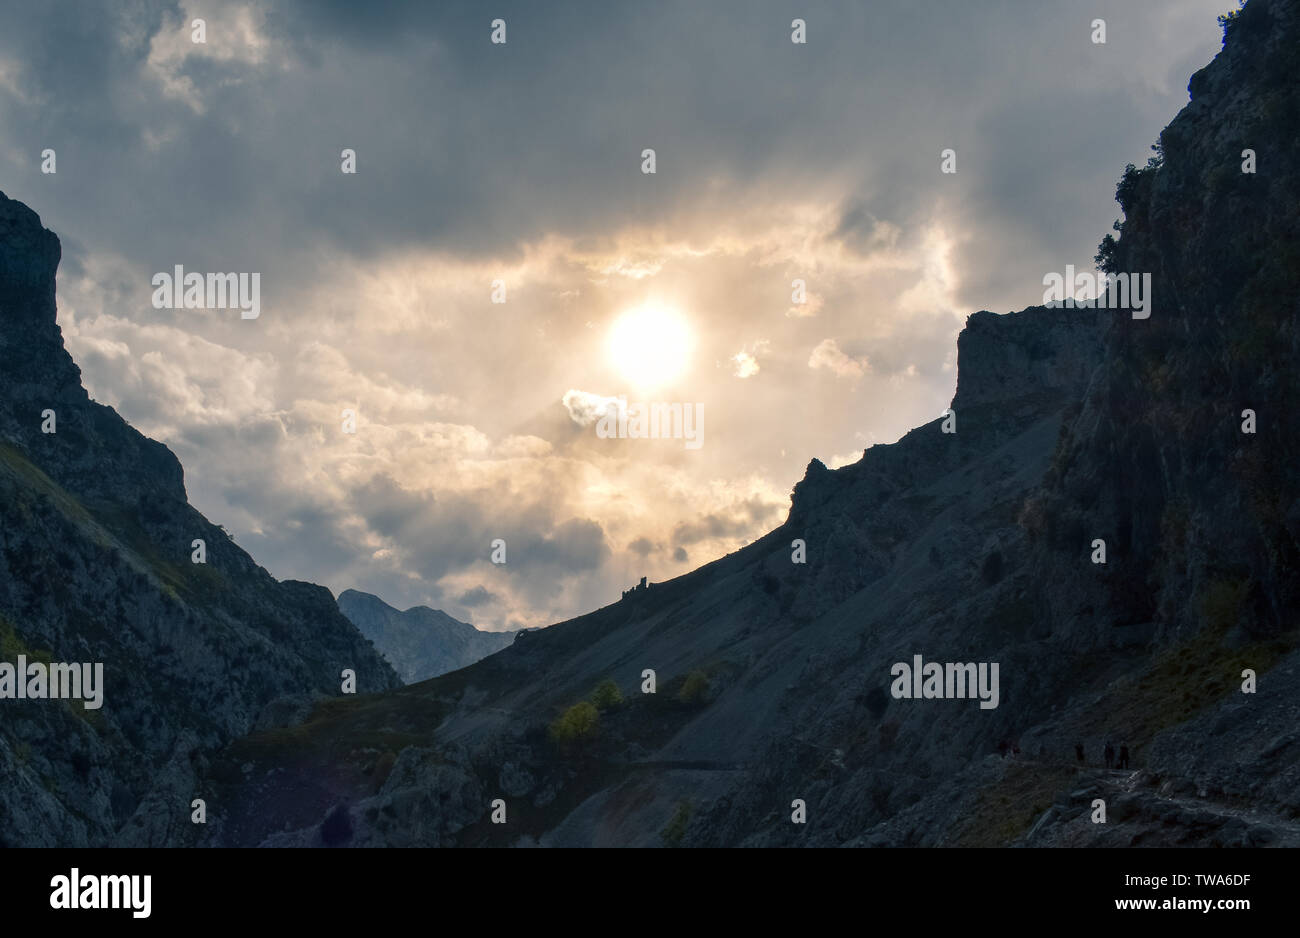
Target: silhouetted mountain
(96,545)
(419,643)
(774,678)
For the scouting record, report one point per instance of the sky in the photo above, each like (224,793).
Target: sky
(514,171)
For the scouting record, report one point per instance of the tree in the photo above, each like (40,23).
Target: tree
(1230,19)
(606,695)
(577,724)
(1105,257)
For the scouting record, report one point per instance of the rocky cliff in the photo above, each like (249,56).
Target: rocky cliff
(96,565)
(419,643)
(1184,454)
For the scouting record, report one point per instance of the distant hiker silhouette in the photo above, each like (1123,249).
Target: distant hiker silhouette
(1123,755)
(1110,754)
(1078,752)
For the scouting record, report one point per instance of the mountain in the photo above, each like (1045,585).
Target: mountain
(775,681)
(419,643)
(96,550)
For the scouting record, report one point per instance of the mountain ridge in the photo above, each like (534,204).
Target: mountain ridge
(419,642)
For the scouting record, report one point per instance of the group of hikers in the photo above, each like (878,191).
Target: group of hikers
(1010,748)
(1108,754)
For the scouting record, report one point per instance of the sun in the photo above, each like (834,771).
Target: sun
(650,345)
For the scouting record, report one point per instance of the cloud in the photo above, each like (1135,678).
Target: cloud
(745,365)
(828,355)
(478,596)
(234,43)
(865,234)
(376,286)
(586,408)
(575,545)
(810,306)
(643,546)
(738,520)
(522,447)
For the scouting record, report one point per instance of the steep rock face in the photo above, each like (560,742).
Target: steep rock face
(1202,519)
(419,643)
(101,455)
(1008,358)
(1157,457)
(95,566)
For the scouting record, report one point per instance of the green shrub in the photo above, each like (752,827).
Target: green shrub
(576,724)
(606,695)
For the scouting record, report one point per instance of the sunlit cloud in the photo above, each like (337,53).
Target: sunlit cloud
(458,293)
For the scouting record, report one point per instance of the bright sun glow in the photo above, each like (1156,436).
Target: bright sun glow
(650,345)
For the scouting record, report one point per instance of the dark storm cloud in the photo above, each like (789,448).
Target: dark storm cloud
(451,531)
(575,545)
(307,540)
(738,522)
(642,546)
(476,147)
(863,231)
(478,596)
(391,510)
(226,157)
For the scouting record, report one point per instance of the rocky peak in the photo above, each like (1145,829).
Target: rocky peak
(419,642)
(28,262)
(94,452)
